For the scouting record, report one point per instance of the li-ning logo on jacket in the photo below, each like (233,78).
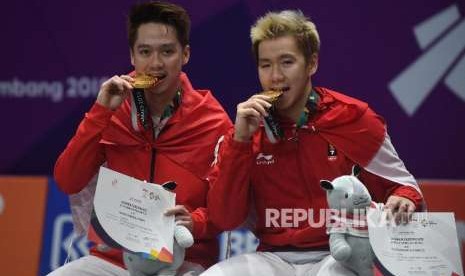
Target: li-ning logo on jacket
(442,38)
(265,159)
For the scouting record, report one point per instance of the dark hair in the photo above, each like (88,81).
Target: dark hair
(159,12)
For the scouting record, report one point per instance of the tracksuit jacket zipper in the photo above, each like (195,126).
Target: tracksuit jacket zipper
(152,165)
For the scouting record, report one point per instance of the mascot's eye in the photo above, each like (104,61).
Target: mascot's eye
(346,195)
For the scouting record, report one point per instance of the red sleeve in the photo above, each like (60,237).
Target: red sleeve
(228,204)
(203,227)
(410,193)
(381,188)
(83,155)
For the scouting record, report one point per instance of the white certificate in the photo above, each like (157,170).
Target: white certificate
(428,245)
(129,213)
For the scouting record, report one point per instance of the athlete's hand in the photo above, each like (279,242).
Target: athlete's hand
(113,91)
(248,116)
(182,216)
(400,209)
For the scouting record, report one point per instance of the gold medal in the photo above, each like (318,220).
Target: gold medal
(272,128)
(274,95)
(144,81)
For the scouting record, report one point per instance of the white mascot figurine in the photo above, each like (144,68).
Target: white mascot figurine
(139,266)
(348,238)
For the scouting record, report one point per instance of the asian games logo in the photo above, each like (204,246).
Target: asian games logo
(442,38)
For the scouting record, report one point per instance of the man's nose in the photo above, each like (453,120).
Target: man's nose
(156,61)
(276,74)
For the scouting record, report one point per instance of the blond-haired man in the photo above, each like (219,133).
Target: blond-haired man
(278,152)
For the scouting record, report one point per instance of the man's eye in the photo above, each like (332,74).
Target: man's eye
(288,62)
(168,52)
(264,65)
(144,52)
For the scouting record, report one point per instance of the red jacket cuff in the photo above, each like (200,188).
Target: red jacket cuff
(411,194)
(203,228)
(237,146)
(99,114)
(199,226)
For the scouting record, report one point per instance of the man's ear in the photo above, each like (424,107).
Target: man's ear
(186,54)
(313,64)
(131,54)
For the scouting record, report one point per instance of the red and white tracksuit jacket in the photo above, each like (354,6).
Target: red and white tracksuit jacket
(286,175)
(183,152)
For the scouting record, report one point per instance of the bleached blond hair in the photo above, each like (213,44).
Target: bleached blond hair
(287,22)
